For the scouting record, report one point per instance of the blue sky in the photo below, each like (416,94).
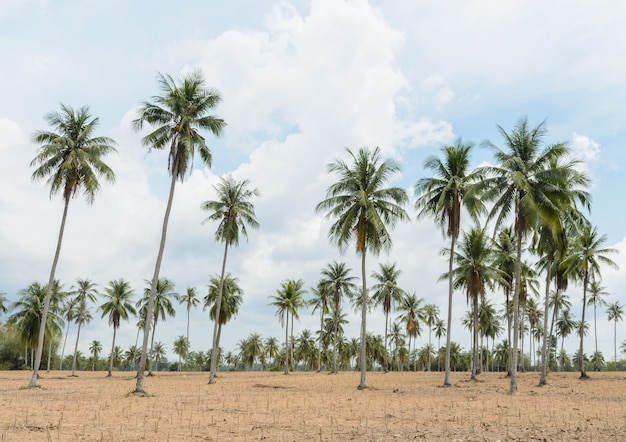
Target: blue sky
(300,81)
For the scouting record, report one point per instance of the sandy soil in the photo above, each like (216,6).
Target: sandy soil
(312,407)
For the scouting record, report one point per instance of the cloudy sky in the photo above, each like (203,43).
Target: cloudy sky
(300,82)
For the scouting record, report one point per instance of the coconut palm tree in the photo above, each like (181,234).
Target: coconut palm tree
(84,293)
(475,273)
(440,332)
(163,306)
(596,298)
(615,313)
(364,210)
(231,299)
(564,327)
(387,293)
(70,158)
(131,356)
(410,304)
(95,348)
(336,277)
(158,352)
(189,299)
(69,307)
(176,117)
(430,313)
(3,303)
(320,301)
(181,348)
(288,300)
(584,264)
(117,307)
(442,197)
(234,212)
(529,183)
(271,347)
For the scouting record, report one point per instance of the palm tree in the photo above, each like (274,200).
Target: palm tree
(71,158)
(320,301)
(475,273)
(3,303)
(564,327)
(339,283)
(132,355)
(584,263)
(271,348)
(430,313)
(84,292)
(118,307)
(387,293)
(440,331)
(181,348)
(234,211)
(162,306)
(596,298)
(189,299)
(157,352)
(615,313)
(69,307)
(95,348)
(411,304)
(176,117)
(441,197)
(530,184)
(364,209)
(504,260)
(232,297)
(288,300)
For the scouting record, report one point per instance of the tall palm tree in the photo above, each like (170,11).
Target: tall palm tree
(596,298)
(364,209)
(504,260)
(232,297)
(442,197)
(337,278)
(189,299)
(440,331)
(387,293)
(181,348)
(118,307)
(288,300)
(529,183)
(84,293)
(411,305)
(584,263)
(615,313)
(234,212)
(320,301)
(71,158)
(475,273)
(95,348)
(177,116)
(163,307)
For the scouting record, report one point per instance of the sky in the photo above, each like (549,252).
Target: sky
(300,82)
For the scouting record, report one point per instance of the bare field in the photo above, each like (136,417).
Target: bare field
(312,407)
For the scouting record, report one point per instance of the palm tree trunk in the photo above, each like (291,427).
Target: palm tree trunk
(446,380)
(516,293)
(596,366)
(75,351)
(475,338)
(218,311)
(188,314)
(112,351)
(286,342)
(49,356)
(363,362)
(139,388)
(150,368)
(581,360)
(386,341)
(319,353)
(615,345)
(46,304)
(543,380)
(64,342)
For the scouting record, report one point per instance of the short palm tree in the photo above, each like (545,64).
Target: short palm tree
(410,304)
(71,158)
(234,212)
(176,116)
(157,352)
(442,197)
(615,313)
(189,299)
(387,293)
(288,300)
(364,209)
(95,348)
(84,293)
(430,313)
(596,298)
(181,348)
(117,307)
(565,325)
(321,301)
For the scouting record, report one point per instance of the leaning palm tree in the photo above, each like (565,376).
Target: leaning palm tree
(596,298)
(387,293)
(615,313)
(336,277)
(584,263)
(442,197)
(176,116)
(71,158)
(84,293)
(189,299)
(231,299)
(529,183)
(118,307)
(364,209)
(234,212)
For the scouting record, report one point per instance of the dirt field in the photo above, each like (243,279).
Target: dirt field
(312,407)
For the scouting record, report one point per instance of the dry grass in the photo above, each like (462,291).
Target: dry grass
(312,407)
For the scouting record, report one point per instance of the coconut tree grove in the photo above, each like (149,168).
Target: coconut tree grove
(523,257)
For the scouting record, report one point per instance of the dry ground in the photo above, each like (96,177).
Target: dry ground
(312,407)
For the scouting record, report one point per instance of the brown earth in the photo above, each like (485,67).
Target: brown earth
(312,407)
